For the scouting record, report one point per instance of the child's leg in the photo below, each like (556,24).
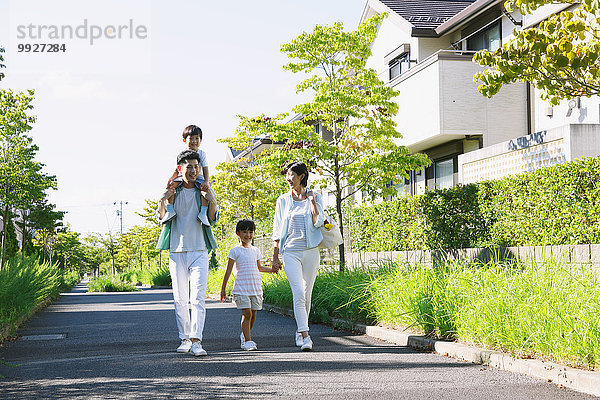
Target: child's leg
(246,323)
(253,319)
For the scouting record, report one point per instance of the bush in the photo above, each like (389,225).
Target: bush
(549,310)
(551,206)
(25,283)
(108,283)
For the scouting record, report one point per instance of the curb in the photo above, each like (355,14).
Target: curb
(580,380)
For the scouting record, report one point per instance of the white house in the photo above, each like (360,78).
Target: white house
(424,50)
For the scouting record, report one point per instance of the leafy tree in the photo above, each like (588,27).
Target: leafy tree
(356,150)
(246,188)
(21,179)
(560,57)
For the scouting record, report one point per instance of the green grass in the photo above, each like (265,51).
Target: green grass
(154,276)
(549,310)
(25,283)
(107,283)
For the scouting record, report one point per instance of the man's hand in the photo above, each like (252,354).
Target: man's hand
(167,194)
(223,295)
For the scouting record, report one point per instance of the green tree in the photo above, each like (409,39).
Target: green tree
(356,148)
(21,179)
(560,56)
(246,188)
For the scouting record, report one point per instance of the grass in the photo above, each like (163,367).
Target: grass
(548,310)
(107,283)
(155,276)
(25,283)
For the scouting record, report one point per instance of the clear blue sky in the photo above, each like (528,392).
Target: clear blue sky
(110,115)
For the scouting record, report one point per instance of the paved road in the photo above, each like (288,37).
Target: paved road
(118,346)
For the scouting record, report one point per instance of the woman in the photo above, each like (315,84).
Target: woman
(296,233)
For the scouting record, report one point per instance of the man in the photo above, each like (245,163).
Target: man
(189,241)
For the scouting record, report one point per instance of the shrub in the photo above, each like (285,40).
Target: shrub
(551,206)
(108,283)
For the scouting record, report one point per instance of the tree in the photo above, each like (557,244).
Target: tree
(246,188)
(21,179)
(560,57)
(356,148)
(1,65)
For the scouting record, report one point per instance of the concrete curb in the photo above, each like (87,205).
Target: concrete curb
(580,380)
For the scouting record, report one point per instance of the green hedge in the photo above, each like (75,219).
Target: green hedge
(551,206)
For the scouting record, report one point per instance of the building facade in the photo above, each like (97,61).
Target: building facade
(424,49)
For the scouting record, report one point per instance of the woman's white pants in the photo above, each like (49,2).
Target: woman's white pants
(301,269)
(189,276)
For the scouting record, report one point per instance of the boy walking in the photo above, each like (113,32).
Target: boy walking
(247,288)
(189,241)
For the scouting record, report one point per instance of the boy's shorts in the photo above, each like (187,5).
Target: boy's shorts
(253,302)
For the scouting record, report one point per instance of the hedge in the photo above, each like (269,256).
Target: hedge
(552,206)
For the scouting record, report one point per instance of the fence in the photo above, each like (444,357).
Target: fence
(574,254)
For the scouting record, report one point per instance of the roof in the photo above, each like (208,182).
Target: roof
(427,14)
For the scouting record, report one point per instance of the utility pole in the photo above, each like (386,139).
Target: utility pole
(120,212)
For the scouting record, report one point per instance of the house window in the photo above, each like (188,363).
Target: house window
(444,174)
(488,38)
(399,65)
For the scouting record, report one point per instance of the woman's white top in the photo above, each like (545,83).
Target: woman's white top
(296,240)
(281,222)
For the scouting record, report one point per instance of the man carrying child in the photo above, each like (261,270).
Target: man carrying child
(189,241)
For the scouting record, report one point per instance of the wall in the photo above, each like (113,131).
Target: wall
(576,254)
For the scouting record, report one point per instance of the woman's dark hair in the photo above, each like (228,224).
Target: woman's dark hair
(245,225)
(191,130)
(299,168)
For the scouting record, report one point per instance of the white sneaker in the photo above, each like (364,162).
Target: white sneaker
(169,215)
(197,349)
(242,340)
(307,344)
(202,217)
(249,345)
(299,339)
(185,346)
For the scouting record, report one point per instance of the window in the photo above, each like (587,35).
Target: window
(399,65)
(444,174)
(488,38)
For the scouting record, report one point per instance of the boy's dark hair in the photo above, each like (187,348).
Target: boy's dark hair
(187,155)
(190,131)
(245,225)
(299,168)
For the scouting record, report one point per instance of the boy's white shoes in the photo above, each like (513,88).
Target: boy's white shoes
(307,344)
(249,345)
(299,339)
(169,215)
(185,346)
(197,349)
(203,216)
(242,340)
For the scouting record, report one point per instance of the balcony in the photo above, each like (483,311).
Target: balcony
(439,102)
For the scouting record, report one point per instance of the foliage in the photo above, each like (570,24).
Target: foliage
(107,283)
(25,283)
(559,56)
(551,206)
(21,179)
(346,133)
(547,310)
(246,188)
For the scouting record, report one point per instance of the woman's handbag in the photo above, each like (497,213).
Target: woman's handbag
(332,237)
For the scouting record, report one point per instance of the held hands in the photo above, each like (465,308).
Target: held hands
(275,264)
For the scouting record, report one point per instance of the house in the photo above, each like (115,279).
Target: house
(424,50)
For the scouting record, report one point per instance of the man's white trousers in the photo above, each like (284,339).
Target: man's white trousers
(189,275)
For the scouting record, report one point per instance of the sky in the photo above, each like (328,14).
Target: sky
(111,107)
